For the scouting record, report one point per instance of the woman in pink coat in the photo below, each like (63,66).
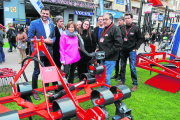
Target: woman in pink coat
(69,53)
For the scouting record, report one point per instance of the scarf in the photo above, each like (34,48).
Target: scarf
(70,34)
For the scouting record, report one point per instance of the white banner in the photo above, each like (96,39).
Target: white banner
(155,16)
(147,8)
(172,14)
(37,5)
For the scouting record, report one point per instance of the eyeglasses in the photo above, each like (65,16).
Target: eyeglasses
(105,19)
(86,24)
(100,19)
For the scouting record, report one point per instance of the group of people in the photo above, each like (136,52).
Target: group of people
(118,42)
(157,37)
(17,38)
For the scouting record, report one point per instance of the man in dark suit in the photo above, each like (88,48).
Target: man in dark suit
(58,29)
(41,27)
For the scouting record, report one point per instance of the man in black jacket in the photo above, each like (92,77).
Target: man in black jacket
(58,30)
(132,37)
(110,42)
(117,75)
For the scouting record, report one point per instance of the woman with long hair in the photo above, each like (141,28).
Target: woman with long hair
(89,44)
(69,53)
(21,39)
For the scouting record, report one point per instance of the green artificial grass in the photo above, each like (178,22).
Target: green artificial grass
(6,45)
(147,103)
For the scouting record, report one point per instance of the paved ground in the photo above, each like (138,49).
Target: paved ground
(13,58)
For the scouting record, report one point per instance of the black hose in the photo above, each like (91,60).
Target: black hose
(22,64)
(33,58)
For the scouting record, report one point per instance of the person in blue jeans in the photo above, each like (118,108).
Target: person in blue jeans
(11,39)
(2,55)
(110,42)
(131,34)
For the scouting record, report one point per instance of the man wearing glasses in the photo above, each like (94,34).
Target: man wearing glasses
(110,42)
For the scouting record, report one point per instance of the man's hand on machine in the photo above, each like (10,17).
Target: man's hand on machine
(97,50)
(48,40)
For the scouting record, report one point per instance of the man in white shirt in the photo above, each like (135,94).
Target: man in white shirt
(41,27)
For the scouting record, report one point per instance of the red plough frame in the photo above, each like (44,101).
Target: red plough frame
(169,77)
(45,109)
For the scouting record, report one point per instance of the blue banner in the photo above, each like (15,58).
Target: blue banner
(101,2)
(83,13)
(160,17)
(114,13)
(120,2)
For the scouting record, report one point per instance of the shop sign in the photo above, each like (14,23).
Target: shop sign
(172,14)
(83,13)
(20,20)
(120,5)
(135,17)
(155,16)
(160,17)
(148,7)
(72,3)
(13,9)
(114,13)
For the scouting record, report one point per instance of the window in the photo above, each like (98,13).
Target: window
(135,11)
(71,17)
(108,4)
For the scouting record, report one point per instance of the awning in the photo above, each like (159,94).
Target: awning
(156,3)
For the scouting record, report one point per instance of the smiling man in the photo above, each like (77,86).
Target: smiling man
(41,27)
(110,42)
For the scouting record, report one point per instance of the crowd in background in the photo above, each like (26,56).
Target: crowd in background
(118,42)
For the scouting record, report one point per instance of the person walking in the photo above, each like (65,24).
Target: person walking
(41,27)
(131,34)
(89,44)
(21,39)
(59,28)
(110,42)
(2,55)
(11,35)
(69,50)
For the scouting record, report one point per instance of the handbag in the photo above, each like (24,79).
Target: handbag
(21,44)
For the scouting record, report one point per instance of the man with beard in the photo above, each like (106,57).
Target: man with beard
(132,37)
(41,27)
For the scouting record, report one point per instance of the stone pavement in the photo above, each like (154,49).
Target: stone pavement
(12,60)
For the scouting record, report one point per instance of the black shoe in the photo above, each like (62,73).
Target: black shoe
(9,50)
(114,77)
(36,96)
(118,78)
